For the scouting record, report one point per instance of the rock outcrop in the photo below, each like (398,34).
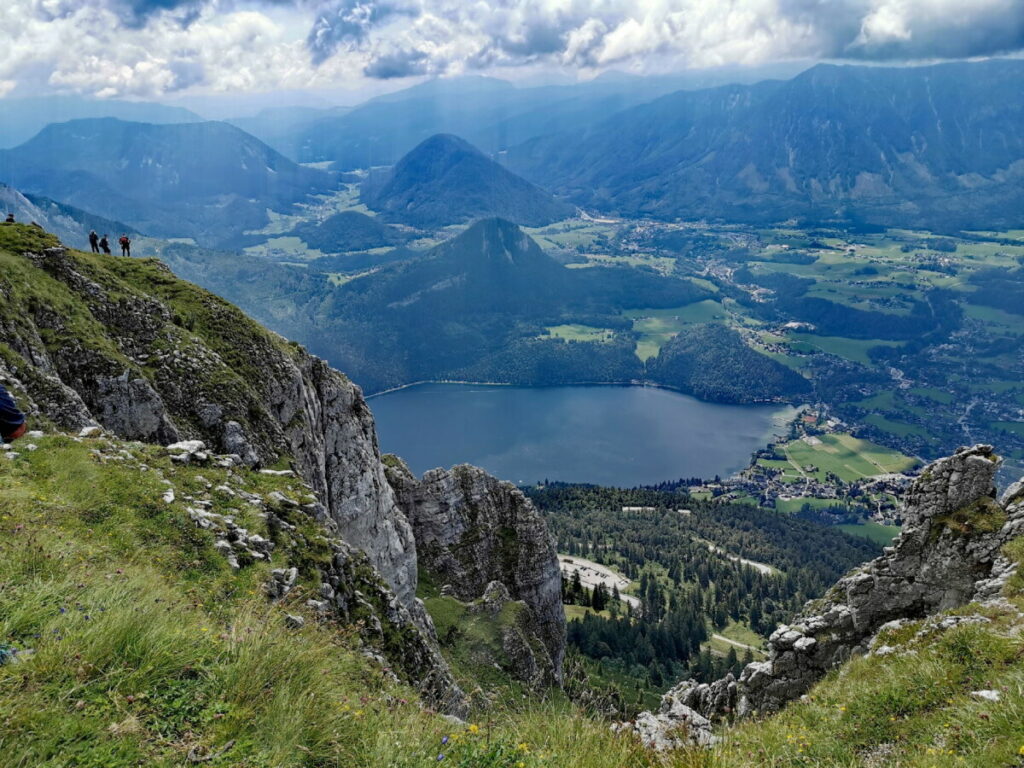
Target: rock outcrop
(481,538)
(949,554)
(175,363)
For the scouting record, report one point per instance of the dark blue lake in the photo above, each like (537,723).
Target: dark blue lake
(621,436)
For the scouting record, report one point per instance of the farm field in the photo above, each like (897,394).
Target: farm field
(841,454)
(657,326)
(577,332)
(881,534)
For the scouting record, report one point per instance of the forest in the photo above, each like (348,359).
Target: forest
(682,557)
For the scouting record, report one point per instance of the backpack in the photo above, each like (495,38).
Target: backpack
(124,240)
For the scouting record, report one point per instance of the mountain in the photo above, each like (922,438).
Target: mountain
(202,180)
(23,118)
(489,113)
(475,307)
(925,146)
(445,181)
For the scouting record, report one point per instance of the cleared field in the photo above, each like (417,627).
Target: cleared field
(792,506)
(1005,321)
(932,394)
(657,326)
(1016,427)
(662,264)
(900,428)
(577,332)
(850,349)
(878,533)
(579,611)
(845,456)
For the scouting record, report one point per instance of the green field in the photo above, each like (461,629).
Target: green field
(577,332)
(846,456)
(657,326)
(900,428)
(850,349)
(878,533)
(1016,427)
(933,394)
(792,506)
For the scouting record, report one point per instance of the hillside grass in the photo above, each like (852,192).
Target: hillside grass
(138,645)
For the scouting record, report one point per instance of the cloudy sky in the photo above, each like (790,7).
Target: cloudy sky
(164,48)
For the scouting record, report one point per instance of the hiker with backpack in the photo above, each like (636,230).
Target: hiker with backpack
(105,244)
(126,245)
(94,241)
(12,421)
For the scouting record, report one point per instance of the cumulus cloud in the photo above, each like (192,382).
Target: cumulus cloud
(151,47)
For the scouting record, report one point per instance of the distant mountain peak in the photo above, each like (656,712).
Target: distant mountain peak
(446,180)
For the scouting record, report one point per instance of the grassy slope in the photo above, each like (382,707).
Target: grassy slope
(147,645)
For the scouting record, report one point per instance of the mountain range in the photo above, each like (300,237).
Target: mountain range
(935,146)
(23,118)
(445,180)
(202,180)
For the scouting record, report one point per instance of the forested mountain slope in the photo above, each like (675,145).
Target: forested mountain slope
(446,180)
(928,146)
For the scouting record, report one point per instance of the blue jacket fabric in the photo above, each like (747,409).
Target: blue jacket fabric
(10,417)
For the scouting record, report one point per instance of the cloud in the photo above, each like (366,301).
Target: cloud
(407,63)
(146,48)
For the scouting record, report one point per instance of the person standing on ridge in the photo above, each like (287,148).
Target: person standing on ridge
(126,245)
(105,244)
(12,421)
(94,241)
(9,219)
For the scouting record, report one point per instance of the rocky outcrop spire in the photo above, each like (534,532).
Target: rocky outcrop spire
(483,538)
(948,554)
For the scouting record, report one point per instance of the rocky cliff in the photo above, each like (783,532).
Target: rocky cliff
(123,344)
(481,538)
(950,553)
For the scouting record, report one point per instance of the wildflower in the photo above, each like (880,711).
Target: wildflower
(523,747)
(520,764)
(1021,750)
(474,728)
(440,757)
(444,740)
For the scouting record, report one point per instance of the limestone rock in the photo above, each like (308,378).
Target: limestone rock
(947,556)
(484,539)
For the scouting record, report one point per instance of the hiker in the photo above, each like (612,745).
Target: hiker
(9,219)
(12,421)
(94,241)
(126,245)
(105,244)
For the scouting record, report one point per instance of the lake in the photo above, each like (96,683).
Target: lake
(620,436)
